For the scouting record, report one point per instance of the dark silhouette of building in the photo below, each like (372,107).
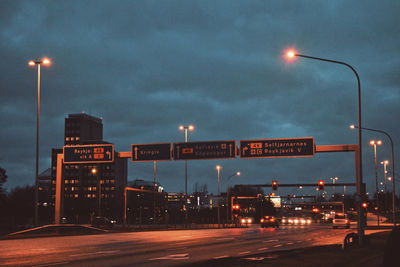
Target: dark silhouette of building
(148,206)
(84,193)
(82,129)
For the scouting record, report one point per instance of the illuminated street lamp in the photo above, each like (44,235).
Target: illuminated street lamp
(46,62)
(393,181)
(375,143)
(291,55)
(227,195)
(186,129)
(334,187)
(218,167)
(385,163)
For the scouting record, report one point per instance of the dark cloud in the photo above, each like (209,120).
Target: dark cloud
(147,67)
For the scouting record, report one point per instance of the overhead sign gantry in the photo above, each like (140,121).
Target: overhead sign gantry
(277,148)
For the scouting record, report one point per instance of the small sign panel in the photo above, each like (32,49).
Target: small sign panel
(102,153)
(151,152)
(277,148)
(205,150)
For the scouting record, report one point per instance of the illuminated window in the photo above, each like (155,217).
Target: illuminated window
(72,188)
(89,195)
(76,196)
(112,181)
(66,138)
(93,196)
(72,138)
(77,138)
(112,188)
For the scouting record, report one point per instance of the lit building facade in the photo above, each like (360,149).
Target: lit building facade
(85,193)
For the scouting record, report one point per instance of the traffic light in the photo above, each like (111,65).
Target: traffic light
(364,205)
(236,207)
(274,185)
(235,210)
(321,185)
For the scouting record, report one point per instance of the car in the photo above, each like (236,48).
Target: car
(340,220)
(246,220)
(268,221)
(99,221)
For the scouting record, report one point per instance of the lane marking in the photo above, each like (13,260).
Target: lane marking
(277,246)
(271,240)
(220,257)
(290,243)
(173,257)
(94,253)
(263,248)
(244,252)
(52,264)
(226,238)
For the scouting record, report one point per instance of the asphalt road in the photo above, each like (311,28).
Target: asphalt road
(166,248)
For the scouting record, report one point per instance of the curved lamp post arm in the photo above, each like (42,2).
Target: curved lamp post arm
(393,171)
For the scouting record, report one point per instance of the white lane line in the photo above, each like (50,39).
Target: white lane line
(226,238)
(172,257)
(290,243)
(271,240)
(52,264)
(173,249)
(309,239)
(277,246)
(244,252)
(94,253)
(263,248)
(220,257)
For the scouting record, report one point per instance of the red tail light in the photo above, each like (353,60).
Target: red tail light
(272,220)
(346,221)
(262,220)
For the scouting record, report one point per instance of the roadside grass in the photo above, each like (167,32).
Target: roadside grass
(319,256)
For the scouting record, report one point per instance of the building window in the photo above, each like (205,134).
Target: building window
(66,138)
(77,138)
(76,196)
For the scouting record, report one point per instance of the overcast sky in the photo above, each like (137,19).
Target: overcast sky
(147,67)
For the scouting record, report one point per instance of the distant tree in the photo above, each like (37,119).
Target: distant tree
(20,205)
(3,180)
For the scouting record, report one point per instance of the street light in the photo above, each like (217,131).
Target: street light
(218,167)
(186,129)
(385,163)
(46,62)
(291,54)
(393,181)
(227,196)
(375,143)
(334,187)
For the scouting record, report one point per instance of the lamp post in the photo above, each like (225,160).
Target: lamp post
(227,195)
(375,143)
(44,61)
(385,163)
(290,55)
(219,203)
(186,129)
(334,187)
(393,176)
